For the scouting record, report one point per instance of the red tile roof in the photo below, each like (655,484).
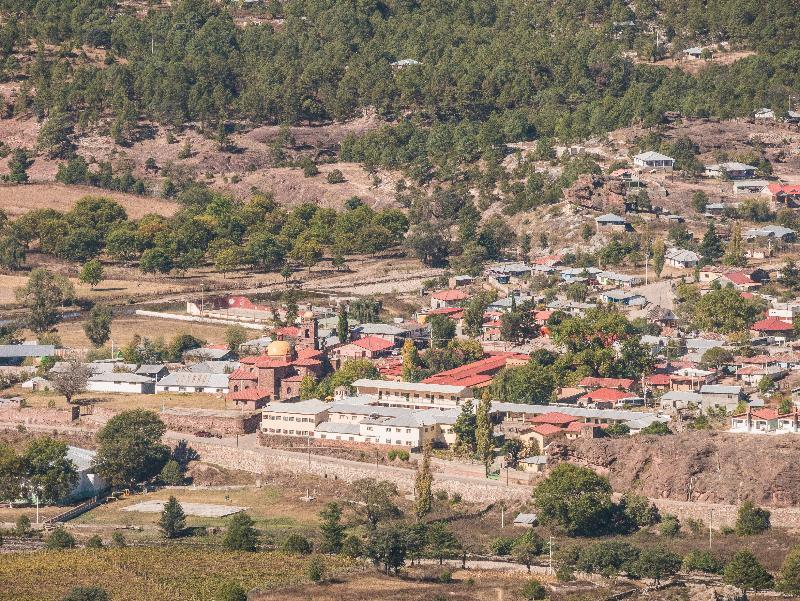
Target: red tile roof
(623,383)
(738,277)
(242,374)
(486,367)
(269,363)
(306,362)
(578,426)
(607,394)
(373,343)
(448,311)
(772,324)
(250,394)
(309,353)
(658,380)
(554,418)
(783,189)
(547,429)
(290,331)
(450,295)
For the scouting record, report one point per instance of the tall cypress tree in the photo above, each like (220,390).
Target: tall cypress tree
(343,328)
(423,496)
(484,434)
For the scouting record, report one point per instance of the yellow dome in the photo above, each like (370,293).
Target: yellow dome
(278,348)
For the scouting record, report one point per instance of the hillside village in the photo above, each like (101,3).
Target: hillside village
(400,300)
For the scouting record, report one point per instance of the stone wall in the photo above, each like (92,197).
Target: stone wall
(40,416)
(224,423)
(265,461)
(724,515)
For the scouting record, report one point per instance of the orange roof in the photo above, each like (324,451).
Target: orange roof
(242,374)
(266,362)
(783,189)
(373,343)
(772,324)
(767,414)
(306,362)
(547,429)
(250,394)
(290,331)
(607,394)
(658,380)
(738,277)
(450,295)
(487,366)
(578,426)
(543,315)
(590,382)
(554,418)
(309,353)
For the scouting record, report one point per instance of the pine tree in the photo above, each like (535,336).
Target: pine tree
(411,361)
(241,535)
(734,252)
(659,251)
(484,434)
(342,328)
(711,246)
(423,496)
(332,528)
(173,520)
(464,428)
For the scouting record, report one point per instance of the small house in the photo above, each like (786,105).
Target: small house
(714,396)
(623,297)
(731,169)
(764,114)
(445,299)
(653,160)
(783,195)
(122,382)
(693,53)
(611,222)
(680,258)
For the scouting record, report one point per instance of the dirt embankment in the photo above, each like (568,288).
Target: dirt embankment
(703,467)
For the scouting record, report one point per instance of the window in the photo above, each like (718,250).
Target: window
(198,389)
(181,388)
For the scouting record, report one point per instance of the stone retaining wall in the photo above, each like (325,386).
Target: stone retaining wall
(724,515)
(246,423)
(269,461)
(40,416)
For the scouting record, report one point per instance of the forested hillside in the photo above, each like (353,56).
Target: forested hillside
(520,68)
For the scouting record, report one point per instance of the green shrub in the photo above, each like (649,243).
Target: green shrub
(533,590)
(752,520)
(86,593)
(502,545)
(352,547)
(60,539)
(446,577)
(564,573)
(231,591)
(94,542)
(441,495)
(670,526)
(702,561)
(296,544)
(22,527)
(316,569)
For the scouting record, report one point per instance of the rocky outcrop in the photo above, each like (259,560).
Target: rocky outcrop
(695,466)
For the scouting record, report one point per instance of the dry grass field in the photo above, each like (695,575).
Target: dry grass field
(124,328)
(120,402)
(18,200)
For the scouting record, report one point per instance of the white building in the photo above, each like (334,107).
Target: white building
(680,258)
(89,484)
(123,382)
(186,381)
(413,395)
(653,160)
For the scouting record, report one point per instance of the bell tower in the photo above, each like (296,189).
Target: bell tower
(309,332)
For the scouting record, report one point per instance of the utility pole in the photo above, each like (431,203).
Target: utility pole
(502,516)
(710,526)
(308,438)
(550,551)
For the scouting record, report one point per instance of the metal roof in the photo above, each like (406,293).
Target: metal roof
(121,376)
(417,387)
(337,428)
(307,407)
(651,155)
(719,389)
(13,351)
(190,379)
